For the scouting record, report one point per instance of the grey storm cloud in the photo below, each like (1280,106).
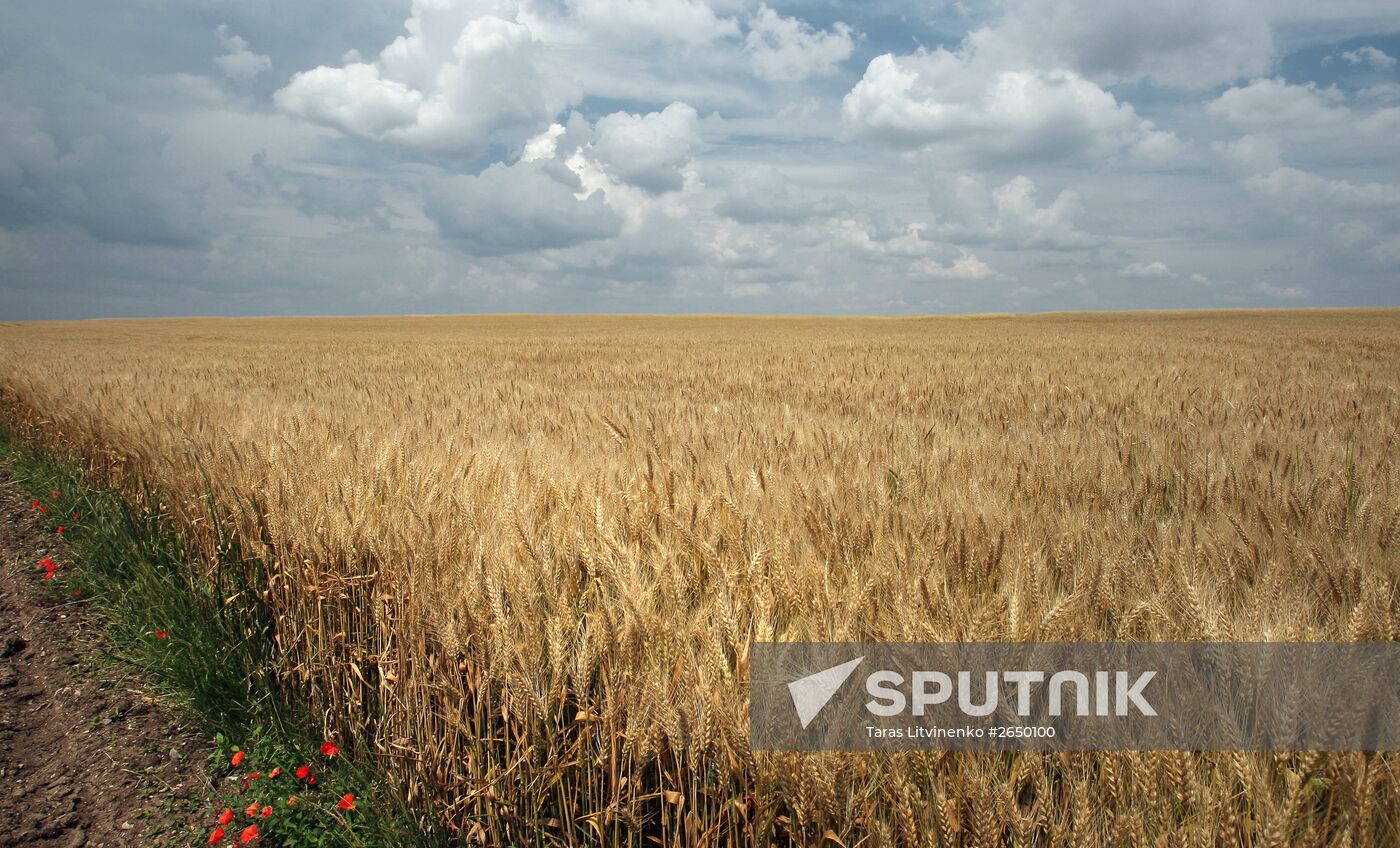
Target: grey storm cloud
(312,194)
(70,157)
(513,209)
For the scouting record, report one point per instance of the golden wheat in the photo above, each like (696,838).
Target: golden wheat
(523,558)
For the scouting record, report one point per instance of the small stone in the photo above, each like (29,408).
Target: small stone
(126,825)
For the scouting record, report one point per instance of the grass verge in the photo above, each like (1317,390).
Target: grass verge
(203,638)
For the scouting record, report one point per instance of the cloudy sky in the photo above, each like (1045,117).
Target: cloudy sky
(181,157)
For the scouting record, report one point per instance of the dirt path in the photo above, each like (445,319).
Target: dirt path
(87,758)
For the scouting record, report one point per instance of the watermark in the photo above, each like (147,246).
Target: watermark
(1194,696)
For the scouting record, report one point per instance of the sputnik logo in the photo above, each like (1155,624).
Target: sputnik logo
(811,693)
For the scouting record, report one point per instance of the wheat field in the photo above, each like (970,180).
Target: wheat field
(523,558)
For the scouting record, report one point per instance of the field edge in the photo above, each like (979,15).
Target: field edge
(124,566)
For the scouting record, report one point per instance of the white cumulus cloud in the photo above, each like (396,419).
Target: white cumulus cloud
(544,145)
(967,100)
(1372,56)
(465,76)
(1147,271)
(1008,216)
(965,267)
(354,99)
(787,49)
(1309,120)
(1294,186)
(649,150)
(1274,104)
(1353,223)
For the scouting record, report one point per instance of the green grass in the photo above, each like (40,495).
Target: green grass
(201,637)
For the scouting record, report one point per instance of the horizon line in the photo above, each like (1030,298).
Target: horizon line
(1190,310)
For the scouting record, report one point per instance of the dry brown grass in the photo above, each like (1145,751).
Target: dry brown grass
(524,557)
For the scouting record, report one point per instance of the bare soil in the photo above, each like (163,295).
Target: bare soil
(88,757)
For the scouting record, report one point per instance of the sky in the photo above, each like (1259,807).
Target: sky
(251,157)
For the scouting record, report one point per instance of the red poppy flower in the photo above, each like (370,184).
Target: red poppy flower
(249,835)
(48,564)
(226,817)
(53,495)
(77,515)
(265,812)
(328,748)
(252,810)
(217,836)
(292,801)
(304,772)
(43,509)
(162,634)
(275,772)
(48,575)
(311,781)
(77,593)
(60,529)
(35,505)
(347,801)
(237,759)
(255,775)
